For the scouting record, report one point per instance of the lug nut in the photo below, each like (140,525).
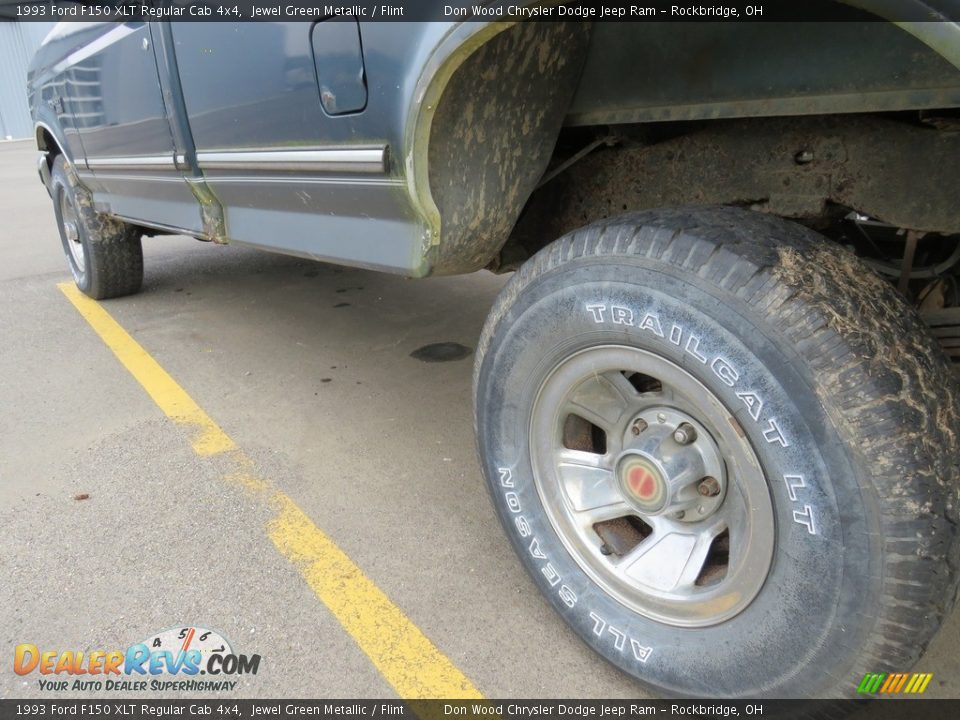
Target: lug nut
(709,487)
(639,425)
(685,434)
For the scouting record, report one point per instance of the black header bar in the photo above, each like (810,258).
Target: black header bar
(483,10)
(229,709)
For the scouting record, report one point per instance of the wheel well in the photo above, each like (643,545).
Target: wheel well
(493,133)
(812,169)
(47,143)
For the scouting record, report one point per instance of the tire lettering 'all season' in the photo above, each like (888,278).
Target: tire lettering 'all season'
(606,313)
(619,638)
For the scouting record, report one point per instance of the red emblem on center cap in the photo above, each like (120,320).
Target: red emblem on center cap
(642,482)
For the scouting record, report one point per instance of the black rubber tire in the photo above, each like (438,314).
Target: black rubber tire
(865,399)
(112,250)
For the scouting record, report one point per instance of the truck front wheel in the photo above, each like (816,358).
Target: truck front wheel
(104,254)
(725,451)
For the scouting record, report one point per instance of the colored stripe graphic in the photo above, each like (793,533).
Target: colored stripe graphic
(870,683)
(894,683)
(890,682)
(915,681)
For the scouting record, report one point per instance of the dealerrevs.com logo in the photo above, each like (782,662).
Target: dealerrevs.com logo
(170,660)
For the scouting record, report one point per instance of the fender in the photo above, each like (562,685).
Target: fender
(44,132)
(44,136)
(939,29)
(470,183)
(459,43)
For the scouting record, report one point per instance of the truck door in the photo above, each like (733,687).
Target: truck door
(292,143)
(123,125)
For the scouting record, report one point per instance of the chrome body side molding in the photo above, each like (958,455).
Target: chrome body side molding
(133,162)
(358,159)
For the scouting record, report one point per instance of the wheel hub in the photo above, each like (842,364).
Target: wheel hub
(643,482)
(663,468)
(71,230)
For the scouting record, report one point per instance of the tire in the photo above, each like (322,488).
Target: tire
(104,254)
(834,416)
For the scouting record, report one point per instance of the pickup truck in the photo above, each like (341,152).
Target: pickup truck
(713,405)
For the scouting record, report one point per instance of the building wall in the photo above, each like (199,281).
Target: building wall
(18,41)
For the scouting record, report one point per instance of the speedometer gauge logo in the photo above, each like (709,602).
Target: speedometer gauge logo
(184,639)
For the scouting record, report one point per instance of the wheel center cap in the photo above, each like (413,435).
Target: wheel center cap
(643,482)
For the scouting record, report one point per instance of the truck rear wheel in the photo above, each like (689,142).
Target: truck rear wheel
(725,451)
(104,254)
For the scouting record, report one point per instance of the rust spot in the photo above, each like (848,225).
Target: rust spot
(736,426)
(621,535)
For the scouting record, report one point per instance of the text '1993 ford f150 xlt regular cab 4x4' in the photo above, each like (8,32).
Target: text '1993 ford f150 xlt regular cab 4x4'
(714,405)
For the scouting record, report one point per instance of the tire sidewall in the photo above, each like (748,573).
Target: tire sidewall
(801,628)
(61,183)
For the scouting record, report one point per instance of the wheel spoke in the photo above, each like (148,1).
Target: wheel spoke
(733,514)
(598,400)
(672,558)
(587,480)
(698,557)
(624,387)
(590,517)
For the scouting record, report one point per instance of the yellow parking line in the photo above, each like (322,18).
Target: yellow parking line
(398,649)
(206,436)
(402,654)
